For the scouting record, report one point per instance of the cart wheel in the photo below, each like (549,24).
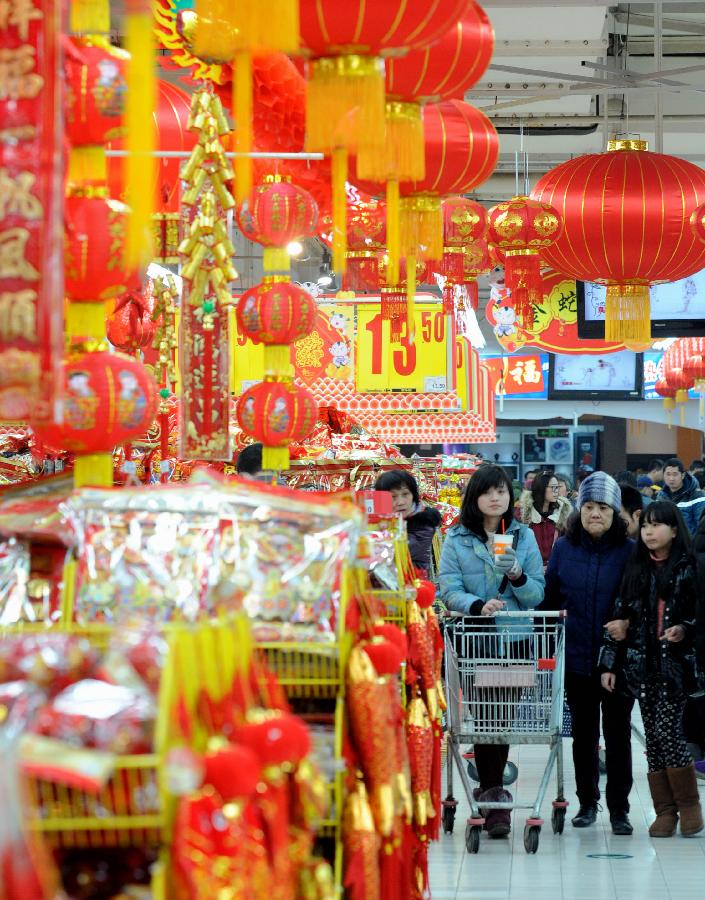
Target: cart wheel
(558,819)
(510,774)
(448,819)
(531,838)
(472,838)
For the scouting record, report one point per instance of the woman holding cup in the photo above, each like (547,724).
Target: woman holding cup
(491,562)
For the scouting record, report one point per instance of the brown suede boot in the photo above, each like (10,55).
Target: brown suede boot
(664,825)
(685,793)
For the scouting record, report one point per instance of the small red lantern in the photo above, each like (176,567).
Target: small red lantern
(367,235)
(276,413)
(96,91)
(130,327)
(95,230)
(464,222)
(521,228)
(109,399)
(279,212)
(276,312)
(477,261)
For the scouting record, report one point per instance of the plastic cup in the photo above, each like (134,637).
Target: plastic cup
(501,542)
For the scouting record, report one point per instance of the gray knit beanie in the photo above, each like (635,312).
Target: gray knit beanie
(601,488)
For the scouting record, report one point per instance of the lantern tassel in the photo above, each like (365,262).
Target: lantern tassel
(473,293)
(277,359)
(141,102)
(410,297)
(242,116)
(403,155)
(522,275)
(421,227)
(90,17)
(339,175)
(393,238)
(627,313)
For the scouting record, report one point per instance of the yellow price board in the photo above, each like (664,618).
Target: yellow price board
(424,365)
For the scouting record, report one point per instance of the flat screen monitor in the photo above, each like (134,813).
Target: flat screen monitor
(677,309)
(591,376)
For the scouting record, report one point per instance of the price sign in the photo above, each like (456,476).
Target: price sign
(424,365)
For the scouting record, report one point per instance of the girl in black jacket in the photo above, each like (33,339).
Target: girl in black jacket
(649,643)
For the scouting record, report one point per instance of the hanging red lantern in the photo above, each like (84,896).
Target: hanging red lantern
(130,327)
(95,229)
(279,212)
(109,399)
(694,368)
(367,229)
(276,413)
(626,224)
(96,90)
(276,312)
(464,222)
(477,261)
(697,222)
(522,229)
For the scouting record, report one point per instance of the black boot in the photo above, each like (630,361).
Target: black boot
(587,815)
(620,823)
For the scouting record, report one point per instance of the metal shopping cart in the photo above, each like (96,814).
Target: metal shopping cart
(504,680)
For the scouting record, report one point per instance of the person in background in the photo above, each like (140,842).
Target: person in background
(421,521)
(655,471)
(476,582)
(625,477)
(544,511)
(565,489)
(529,477)
(249,462)
(583,577)
(580,476)
(645,486)
(652,628)
(682,489)
(694,716)
(632,509)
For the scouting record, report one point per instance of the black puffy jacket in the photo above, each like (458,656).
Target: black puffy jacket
(642,655)
(420,528)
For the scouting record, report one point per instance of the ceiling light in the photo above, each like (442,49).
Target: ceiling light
(325,280)
(294,248)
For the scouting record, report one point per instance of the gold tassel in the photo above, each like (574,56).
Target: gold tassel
(277,359)
(276,260)
(90,17)
(393,242)
(339,175)
(226,26)
(345,103)
(87,165)
(275,459)
(242,116)
(627,313)
(403,155)
(141,102)
(410,296)
(421,227)
(86,320)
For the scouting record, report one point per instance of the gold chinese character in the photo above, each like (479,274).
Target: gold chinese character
(18,315)
(18,14)
(18,78)
(525,372)
(16,197)
(12,255)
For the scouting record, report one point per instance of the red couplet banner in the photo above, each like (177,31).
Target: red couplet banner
(31,209)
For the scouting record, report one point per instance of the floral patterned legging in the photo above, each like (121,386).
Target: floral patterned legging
(663,728)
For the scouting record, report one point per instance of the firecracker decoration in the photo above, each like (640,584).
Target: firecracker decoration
(165,238)
(420,742)
(371,734)
(421,656)
(521,228)
(361,845)
(207,269)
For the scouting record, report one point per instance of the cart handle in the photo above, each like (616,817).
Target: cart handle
(512,614)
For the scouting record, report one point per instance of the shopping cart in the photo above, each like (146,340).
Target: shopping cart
(504,681)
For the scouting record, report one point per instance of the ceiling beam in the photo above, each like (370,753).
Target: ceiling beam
(681,26)
(681,124)
(551,47)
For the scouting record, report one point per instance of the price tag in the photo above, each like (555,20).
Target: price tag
(435,385)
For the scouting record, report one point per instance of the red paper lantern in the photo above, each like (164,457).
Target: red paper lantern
(626,216)
(130,327)
(276,413)
(95,229)
(109,399)
(464,222)
(278,213)
(521,229)
(276,312)
(697,222)
(367,233)
(170,117)
(96,92)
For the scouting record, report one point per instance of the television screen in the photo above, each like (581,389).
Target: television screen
(614,376)
(677,309)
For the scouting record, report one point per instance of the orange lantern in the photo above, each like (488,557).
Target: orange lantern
(521,229)
(625,224)
(276,413)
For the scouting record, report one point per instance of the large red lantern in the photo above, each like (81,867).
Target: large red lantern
(626,216)
(276,312)
(279,212)
(276,413)
(109,399)
(96,81)
(697,222)
(522,228)
(95,229)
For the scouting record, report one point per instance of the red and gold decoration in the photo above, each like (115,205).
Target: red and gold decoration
(207,270)
(277,313)
(277,412)
(31,166)
(366,244)
(697,222)
(521,229)
(130,326)
(626,223)
(465,254)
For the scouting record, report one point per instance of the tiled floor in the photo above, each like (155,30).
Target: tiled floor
(563,867)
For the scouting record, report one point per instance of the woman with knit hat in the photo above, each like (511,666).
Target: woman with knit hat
(583,577)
